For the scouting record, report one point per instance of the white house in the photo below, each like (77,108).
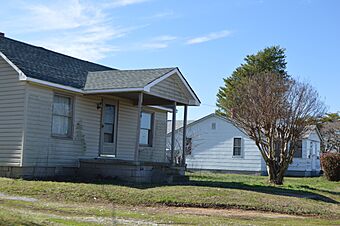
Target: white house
(215,144)
(64,116)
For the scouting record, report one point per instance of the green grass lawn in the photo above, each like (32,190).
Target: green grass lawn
(308,200)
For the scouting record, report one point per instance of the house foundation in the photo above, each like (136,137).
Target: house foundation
(130,171)
(111,169)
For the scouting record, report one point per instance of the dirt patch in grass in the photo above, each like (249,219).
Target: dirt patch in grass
(214,212)
(18,198)
(223,212)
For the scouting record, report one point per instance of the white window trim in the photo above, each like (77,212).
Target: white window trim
(302,145)
(242,148)
(152,130)
(70,135)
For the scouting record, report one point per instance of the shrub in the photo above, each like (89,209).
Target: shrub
(331,165)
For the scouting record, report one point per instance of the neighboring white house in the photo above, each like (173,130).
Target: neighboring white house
(215,144)
(64,116)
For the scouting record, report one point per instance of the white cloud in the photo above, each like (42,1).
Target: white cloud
(209,37)
(119,3)
(78,28)
(69,14)
(159,42)
(154,45)
(163,14)
(165,38)
(83,29)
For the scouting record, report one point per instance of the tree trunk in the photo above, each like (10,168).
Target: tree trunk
(275,176)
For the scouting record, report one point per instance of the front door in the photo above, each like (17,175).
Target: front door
(108,129)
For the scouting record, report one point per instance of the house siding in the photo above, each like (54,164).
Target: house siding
(212,149)
(309,163)
(156,153)
(126,140)
(127,126)
(12,99)
(41,149)
(172,88)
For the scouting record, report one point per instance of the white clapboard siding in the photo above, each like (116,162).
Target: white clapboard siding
(172,88)
(12,99)
(212,149)
(308,156)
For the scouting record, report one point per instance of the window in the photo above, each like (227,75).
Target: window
(237,148)
(310,151)
(188,145)
(109,123)
(62,116)
(145,137)
(298,149)
(213,125)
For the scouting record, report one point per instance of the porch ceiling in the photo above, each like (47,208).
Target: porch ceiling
(148,99)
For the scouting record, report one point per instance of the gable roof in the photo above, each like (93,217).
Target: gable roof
(179,124)
(311,129)
(120,79)
(39,63)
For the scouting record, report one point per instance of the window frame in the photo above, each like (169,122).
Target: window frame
(114,124)
(241,148)
(296,148)
(188,144)
(151,133)
(71,126)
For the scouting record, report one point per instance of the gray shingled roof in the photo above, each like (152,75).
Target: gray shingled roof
(119,79)
(46,65)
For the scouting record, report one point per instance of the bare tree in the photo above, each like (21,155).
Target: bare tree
(275,112)
(193,140)
(330,132)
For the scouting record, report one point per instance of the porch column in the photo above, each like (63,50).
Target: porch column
(173,132)
(184,142)
(139,112)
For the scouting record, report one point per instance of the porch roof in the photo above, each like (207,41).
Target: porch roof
(123,79)
(161,85)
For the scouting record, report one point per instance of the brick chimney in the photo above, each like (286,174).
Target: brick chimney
(2,34)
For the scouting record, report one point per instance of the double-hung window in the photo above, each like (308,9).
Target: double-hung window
(188,145)
(298,149)
(62,116)
(237,147)
(146,127)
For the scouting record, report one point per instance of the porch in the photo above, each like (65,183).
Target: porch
(164,91)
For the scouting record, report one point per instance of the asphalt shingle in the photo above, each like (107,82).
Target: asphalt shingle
(119,79)
(47,65)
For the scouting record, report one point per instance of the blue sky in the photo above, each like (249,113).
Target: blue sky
(207,40)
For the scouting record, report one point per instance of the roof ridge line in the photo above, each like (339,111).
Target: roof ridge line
(53,51)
